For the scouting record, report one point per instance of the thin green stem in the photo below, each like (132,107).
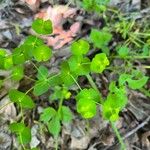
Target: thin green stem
(60,104)
(123,147)
(76,82)
(133,57)
(20,136)
(56,144)
(29,78)
(92,82)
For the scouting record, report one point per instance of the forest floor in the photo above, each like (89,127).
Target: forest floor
(16,18)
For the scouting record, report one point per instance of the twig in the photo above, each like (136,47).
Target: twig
(137,128)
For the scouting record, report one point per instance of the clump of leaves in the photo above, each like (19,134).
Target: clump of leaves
(115,102)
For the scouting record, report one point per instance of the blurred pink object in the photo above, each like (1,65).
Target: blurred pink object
(58,15)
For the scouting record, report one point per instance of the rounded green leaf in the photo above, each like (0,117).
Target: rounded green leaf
(42,27)
(99,63)
(18,56)
(80,47)
(86,107)
(8,62)
(16,127)
(25,135)
(90,94)
(21,98)
(42,53)
(17,73)
(79,65)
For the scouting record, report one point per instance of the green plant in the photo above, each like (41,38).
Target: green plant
(58,84)
(95,5)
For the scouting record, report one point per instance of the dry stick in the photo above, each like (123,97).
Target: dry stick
(137,128)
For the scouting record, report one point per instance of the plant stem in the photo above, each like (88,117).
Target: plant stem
(123,147)
(56,144)
(133,57)
(20,136)
(92,82)
(76,82)
(60,104)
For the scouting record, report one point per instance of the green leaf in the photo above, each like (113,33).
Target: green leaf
(21,98)
(25,136)
(41,87)
(42,73)
(3,52)
(90,94)
(17,73)
(123,78)
(95,5)
(67,76)
(42,27)
(100,39)
(33,42)
(42,53)
(137,84)
(16,127)
(57,94)
(79,65)
(47,114)
(115,102)
(86,107)
(3,55)
(80,47)
(55,79)
(99,63)
(123,51)
(18,56)
(8,62)
(66,114)
(54,126)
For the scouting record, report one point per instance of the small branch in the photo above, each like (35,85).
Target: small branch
(137,128)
